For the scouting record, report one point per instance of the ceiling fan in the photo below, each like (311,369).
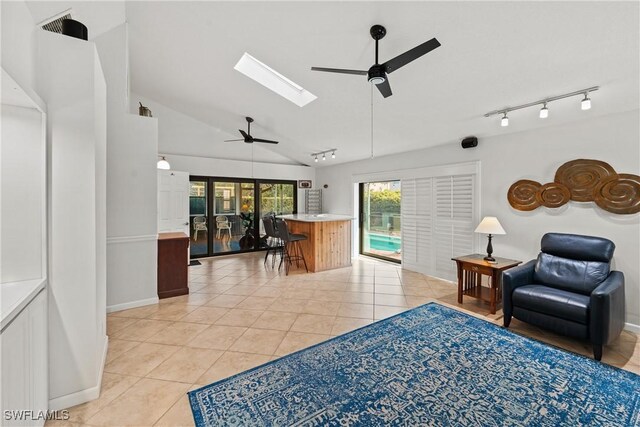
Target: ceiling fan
(247,135)
(377,74)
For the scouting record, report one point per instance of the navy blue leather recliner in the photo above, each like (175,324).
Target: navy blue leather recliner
(568,289)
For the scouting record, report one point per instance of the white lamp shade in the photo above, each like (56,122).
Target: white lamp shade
(490,225)
(163,164)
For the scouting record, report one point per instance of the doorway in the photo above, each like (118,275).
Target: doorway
(380,224)
(226,213)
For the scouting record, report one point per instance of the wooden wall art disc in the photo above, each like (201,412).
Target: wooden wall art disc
(522,195)
(582,176)
(553,195)
(619,194)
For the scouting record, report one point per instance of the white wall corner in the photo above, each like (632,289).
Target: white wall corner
(86,395)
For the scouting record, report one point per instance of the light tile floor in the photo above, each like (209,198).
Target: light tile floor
(240,314)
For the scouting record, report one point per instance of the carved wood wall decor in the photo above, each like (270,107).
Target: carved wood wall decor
(522,195)
(580,180)
(582,176)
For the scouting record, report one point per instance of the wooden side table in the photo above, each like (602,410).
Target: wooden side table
(471,268)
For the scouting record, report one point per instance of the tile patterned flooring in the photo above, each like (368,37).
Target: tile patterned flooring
(240,314)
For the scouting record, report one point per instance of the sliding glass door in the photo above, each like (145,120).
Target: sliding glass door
(225,212)
(380,225)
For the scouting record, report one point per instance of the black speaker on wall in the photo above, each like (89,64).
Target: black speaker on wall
(469,142)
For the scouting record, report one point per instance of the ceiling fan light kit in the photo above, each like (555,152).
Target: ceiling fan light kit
(585,104)
(377,73)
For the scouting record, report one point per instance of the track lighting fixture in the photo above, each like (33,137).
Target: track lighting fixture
(163,164)
(586,102)
(505,120)
(324,154)
(544,111)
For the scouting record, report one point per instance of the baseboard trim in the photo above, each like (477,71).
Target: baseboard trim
(632,328)
(86,395)
(132,304)
(132,239)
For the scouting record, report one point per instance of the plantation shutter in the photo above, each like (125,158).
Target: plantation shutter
(453,222)
(416,217)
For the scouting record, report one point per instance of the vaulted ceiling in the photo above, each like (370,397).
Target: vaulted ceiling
(493,54)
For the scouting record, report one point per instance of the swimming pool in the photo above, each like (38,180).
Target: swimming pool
(384,243)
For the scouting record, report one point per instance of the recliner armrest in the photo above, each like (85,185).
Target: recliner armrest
(513,278)
(607,309)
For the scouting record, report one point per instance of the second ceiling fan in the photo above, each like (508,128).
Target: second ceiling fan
(377,74)
(247,135)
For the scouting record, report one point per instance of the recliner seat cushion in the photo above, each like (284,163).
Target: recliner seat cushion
(570,274)
(552,301)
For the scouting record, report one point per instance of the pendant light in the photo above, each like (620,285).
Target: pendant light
(163,164)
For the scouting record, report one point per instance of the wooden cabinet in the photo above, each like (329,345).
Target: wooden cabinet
(24,364)
(173,262)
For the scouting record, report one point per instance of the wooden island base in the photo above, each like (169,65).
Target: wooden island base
(328,244)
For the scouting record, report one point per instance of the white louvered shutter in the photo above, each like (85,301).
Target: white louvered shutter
(454,221)
(417,241)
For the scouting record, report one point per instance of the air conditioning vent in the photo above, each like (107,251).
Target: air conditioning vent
(54,24)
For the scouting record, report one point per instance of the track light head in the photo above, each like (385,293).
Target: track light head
(586,102)
(324,157)
(316,159)
(544,111)
(505,120)
(333,155)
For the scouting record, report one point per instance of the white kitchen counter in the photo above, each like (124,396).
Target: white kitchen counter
(317,217)
(14,296)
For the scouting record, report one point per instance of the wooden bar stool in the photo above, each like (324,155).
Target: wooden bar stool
(292,249)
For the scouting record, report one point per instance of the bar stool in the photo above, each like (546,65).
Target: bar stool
(274,242)
(292,249)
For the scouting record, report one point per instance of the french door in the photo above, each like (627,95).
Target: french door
(225,213)
(380,224)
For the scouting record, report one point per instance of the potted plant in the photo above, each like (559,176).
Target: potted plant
(247,241)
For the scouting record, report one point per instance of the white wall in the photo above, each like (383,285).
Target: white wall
(74,89)
(131,184)
(22,178)
(18,43)
(532,155)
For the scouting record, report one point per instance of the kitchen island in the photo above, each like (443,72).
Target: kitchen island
(328,243)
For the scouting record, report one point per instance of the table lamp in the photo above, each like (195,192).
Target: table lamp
(490,225)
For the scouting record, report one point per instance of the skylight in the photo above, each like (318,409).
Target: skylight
(271,79)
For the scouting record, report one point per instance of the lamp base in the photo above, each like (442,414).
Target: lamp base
(490,259)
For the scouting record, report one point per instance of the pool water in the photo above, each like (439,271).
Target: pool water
(384,243)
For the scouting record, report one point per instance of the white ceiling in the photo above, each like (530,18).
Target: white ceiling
(493,54)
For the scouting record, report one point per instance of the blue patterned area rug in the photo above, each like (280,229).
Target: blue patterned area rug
(428,366)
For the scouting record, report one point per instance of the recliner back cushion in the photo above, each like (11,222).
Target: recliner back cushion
(570,274)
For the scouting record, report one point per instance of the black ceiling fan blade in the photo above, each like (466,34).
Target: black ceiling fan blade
(340,70)
(268,141)
(385,88)
(411,55)
(246,135)
(233,140)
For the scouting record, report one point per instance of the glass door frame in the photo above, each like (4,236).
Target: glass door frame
(211,180)
(361,222)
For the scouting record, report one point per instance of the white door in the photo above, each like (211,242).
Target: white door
(173,202)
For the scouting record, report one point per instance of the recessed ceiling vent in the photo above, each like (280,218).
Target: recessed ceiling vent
(54,24)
